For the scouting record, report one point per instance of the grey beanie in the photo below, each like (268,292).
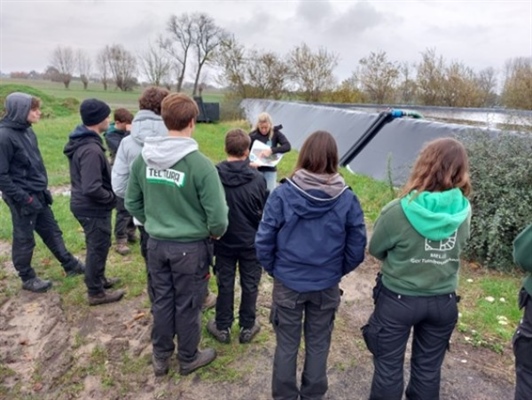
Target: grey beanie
(93,111)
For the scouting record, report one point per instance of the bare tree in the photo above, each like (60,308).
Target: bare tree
(517,87)
(64,61)
(487,84)
(155,65)
(123,67)
(267,74)
(84,66)
(407,88)
(312,72)
(430,77)
(206,38)
(102,62)
(231,59)
(178,44)
(378,77)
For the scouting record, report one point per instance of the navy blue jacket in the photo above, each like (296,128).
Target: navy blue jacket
(309,240)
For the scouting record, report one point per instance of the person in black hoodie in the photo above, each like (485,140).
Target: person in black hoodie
(245,193)
(24,187)
(272,136)
(92,198)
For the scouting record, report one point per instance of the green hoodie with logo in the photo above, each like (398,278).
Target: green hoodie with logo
(523,255)
(419,239)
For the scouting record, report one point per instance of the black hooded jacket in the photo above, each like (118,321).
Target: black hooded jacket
(90,174)
(278,143)
(22,170)
(245,193)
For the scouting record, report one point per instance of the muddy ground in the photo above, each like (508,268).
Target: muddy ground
(51,351)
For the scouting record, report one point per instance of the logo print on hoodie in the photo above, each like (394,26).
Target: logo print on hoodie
(165,177)
(441,245)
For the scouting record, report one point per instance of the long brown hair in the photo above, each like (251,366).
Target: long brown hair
(442,165)
(319,154)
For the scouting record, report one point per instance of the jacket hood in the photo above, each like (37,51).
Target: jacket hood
(436,215)
(310,203)
(235,173)
(164,152)
(147,124)
(79,137)
(331,184)
(17,107)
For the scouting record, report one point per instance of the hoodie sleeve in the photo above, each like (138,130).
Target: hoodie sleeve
(284,144)
(134,198)
(380,242)
(7,187)
(91,165)
(355,241)
(212,197)
(523,249)
(266,238)
(120,172)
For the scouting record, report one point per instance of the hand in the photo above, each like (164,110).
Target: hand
(253,165)
(31,207)
(266,153)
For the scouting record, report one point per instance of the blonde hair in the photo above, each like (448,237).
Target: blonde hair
(442,165)
(262,118)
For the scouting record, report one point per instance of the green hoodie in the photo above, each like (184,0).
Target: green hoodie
(175,191)
(523,255)
(419,240)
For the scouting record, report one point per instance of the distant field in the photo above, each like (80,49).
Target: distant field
(114,97)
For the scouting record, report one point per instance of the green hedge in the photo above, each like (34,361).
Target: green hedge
(501,174)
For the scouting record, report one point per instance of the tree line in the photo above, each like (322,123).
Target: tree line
(194,45)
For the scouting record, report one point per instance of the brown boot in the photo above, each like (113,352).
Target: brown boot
(121,247)
(105,297)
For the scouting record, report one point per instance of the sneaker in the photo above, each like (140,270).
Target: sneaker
(105,297)
(221,335)
(121,247)
(36,285)
(209,302)
(79,269)
(108,283)
(160,365)
(246,334)
(203,358)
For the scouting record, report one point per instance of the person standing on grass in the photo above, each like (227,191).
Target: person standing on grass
(124,227)
(272,136)
(175,192)
(92,199)
(311,235)
(522,340)
(24,187)
(419,239)
(245,192)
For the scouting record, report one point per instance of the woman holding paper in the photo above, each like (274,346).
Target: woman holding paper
(275,143)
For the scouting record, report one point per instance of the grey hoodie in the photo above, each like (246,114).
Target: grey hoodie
(164,152)
(145,124)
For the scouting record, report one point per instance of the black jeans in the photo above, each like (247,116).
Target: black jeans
(97,242)
(43,222)
(250,273)
(315,313)
(124,225)
(522,346)
(433,319)
(179,274)
(144,252)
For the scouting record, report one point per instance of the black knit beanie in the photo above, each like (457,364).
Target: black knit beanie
(93,111)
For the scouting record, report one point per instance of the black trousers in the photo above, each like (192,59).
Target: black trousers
(432,319)
(250,273)
(314,312)
(43,222)
(97,242)
(179,275)
(124,225)
(522,346)
(144,252)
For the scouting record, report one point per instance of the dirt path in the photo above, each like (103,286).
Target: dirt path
(50,352)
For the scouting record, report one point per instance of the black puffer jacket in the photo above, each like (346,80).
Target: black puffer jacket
(245,193)
(90,174)
(22,170)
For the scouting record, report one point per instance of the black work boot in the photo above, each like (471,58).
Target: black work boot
(246,334)
(108,283)
(203,358)
(221,335)
(36,285)
(78,269)
(105,297)
(161,365)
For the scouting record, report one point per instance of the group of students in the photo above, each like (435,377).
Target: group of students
(306,233)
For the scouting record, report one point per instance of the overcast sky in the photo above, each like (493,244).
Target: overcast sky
(479,33)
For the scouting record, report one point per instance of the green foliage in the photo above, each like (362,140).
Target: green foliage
(502,195)
(50,105)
